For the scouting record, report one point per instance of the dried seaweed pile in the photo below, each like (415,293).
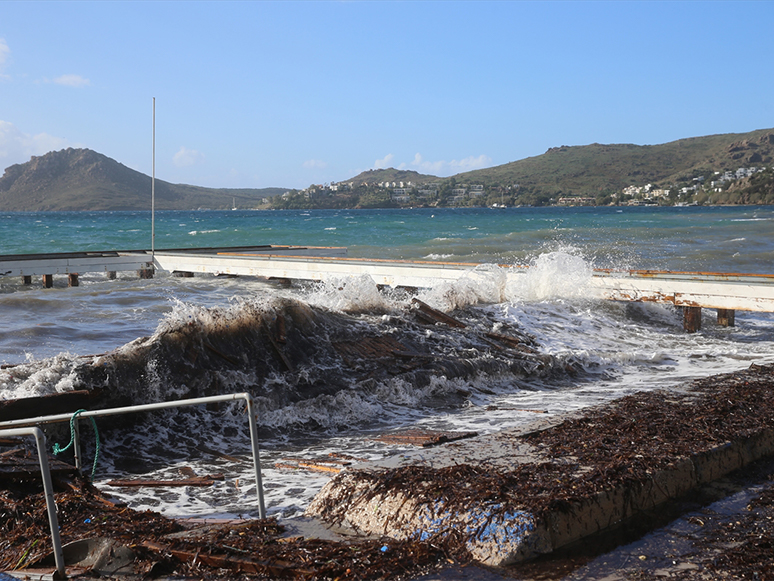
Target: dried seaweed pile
(164,546)
(747,543)
(613,445)
(82,513)
(721,545)
(242,550)
(649,430)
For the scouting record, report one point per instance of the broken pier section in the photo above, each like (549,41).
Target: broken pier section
(523,492)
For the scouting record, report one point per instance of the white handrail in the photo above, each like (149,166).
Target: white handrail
(48,489)
(158,406)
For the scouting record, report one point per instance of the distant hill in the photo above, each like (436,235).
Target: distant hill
(376,176)
(598,169)
(82,179)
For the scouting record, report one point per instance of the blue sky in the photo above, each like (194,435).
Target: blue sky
(260,94)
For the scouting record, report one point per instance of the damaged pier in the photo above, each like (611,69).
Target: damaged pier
(691,291)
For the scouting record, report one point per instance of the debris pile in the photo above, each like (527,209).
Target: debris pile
(162,546)
(747,544)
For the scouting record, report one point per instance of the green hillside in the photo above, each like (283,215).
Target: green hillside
(81,179)
(598,169)
(690,169)
(375,176)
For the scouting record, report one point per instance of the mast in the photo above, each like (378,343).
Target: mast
(153,189)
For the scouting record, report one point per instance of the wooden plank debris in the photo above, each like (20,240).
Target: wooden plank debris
(430,315)
(278,350)
(275,568)
(222,355)
(507,339)
(492,408)
(52,404)
(12,466)
(370,347)
(422,438)
(333,462)
(279,329)
(211,452)
(208,480)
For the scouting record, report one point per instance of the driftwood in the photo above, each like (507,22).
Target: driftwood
(423,438)
(429,314)
(208,480)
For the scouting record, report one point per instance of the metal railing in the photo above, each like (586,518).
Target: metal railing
(151,407)
(48,490)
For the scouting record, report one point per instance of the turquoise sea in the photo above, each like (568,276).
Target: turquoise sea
(734,239)
(60,339)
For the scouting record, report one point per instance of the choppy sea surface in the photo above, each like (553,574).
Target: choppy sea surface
(119,333)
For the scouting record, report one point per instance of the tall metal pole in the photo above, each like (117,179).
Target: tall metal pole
(153,190)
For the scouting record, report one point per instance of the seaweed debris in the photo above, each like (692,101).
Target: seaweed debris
(163,546)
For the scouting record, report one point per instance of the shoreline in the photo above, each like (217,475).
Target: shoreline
(526,492)
(750,391)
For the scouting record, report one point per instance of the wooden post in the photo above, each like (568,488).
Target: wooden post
(48,280)
(691,319)
(145,273)
(72,279)
(280,281)
(726,317)
(111,274)
(26,279)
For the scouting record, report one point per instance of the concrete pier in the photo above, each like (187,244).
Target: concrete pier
(726,292)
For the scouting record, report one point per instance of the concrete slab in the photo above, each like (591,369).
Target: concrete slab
(520,493)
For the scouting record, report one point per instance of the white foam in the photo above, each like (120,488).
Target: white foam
(356,294)
(560,274)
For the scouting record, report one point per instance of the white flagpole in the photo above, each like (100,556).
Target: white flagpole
(153,189)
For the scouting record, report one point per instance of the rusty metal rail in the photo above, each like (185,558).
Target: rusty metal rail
(48,490)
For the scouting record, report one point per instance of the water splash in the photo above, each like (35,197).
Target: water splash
(562,274)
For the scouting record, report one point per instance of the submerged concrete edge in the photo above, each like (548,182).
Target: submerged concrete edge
(498,538)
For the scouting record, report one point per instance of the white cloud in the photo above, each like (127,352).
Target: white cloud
(72,81)
(424,166)
(315,164)
(187,157)
(470,163)
(384,162)
(441,168)
(17,146)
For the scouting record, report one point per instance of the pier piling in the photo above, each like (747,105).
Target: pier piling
(726,317)
(48,280)
(72,279)
(27,279)
(691,319)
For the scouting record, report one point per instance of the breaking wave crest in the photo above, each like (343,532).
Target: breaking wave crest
(355,356)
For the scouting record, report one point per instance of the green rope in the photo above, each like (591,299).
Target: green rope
(58,449)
